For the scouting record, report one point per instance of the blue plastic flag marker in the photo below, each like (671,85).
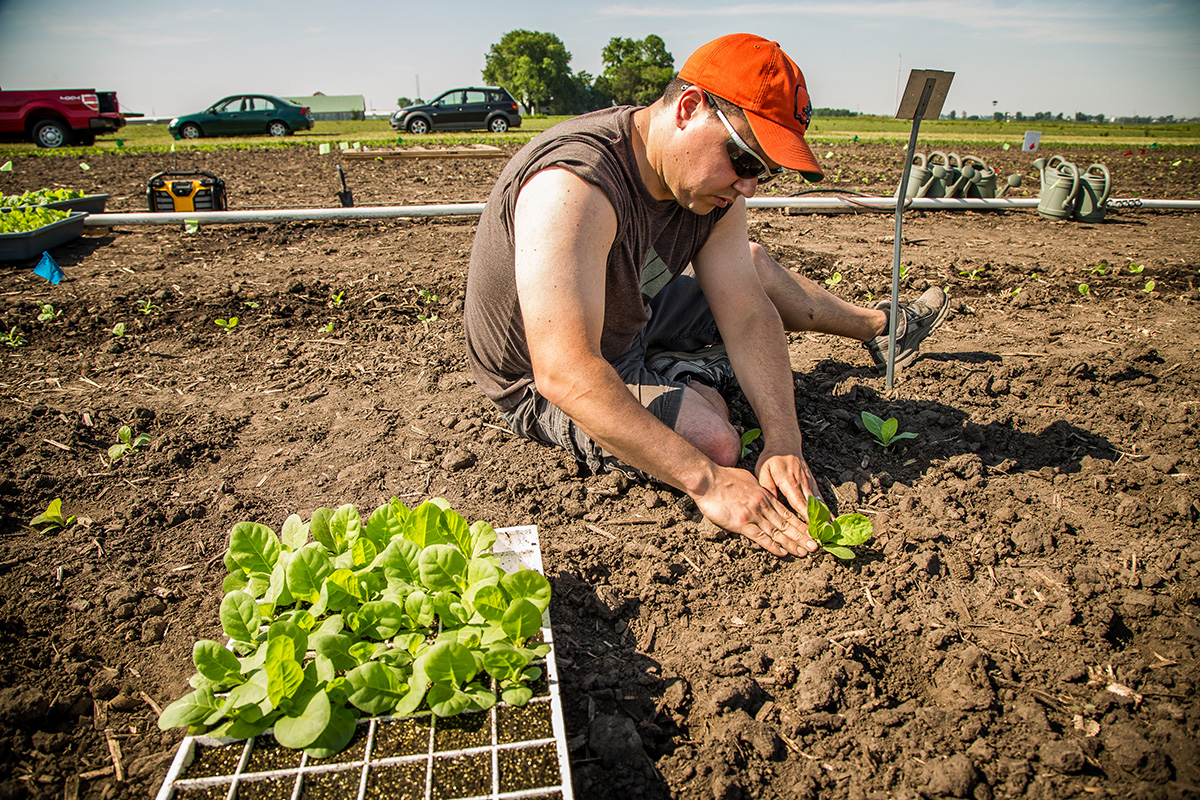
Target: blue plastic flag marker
(48,269)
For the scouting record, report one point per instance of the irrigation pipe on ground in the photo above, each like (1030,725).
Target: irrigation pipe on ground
(817,205)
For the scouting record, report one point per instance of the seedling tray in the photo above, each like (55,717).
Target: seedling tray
(30,244)
(504,753)
(92,204)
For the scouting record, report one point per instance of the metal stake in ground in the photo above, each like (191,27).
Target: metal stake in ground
(923,97)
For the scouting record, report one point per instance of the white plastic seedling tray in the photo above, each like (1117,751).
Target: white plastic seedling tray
(513,752)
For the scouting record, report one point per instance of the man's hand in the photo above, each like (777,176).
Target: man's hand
(736,502)
(788,474)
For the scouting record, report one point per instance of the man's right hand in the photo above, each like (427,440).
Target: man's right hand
(736,502)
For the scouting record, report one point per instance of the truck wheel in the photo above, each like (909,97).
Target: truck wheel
(190,131)
(278,128)
(51,133)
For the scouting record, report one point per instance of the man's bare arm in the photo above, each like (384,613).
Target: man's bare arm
(757,346)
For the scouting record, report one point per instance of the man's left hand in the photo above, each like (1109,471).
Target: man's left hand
(788,475)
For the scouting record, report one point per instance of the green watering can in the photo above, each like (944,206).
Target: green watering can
(1094,188)
(1060,187)
(918,177)
(983,182)
(942,176)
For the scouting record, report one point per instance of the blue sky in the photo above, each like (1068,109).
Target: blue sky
(165,57)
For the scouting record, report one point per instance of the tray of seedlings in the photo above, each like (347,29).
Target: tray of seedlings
(406,655)
(27,231)
(58,199)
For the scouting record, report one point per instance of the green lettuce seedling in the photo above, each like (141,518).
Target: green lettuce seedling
(227,324)
(51,519)
(14,338)
(147,306)
(127,443)
(748,437)
(118,330)
(884,431)
(47,313)
(836,536)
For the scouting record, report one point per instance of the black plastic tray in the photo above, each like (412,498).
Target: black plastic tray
(29,244)
(92,204)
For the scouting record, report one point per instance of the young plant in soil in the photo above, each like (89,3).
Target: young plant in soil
(836,536)
(51,519)
(127,443)
(227,324)
(339,617)
(14,338)
(884,431)
(47,313)
(748,437)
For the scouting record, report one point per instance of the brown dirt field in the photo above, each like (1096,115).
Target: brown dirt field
(1024,623)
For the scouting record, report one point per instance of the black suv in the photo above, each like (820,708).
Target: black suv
(475,107)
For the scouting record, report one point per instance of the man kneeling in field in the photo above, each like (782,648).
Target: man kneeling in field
(613,293)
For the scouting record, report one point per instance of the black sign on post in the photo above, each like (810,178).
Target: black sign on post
(923,97)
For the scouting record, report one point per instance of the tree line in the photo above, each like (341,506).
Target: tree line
(535,67)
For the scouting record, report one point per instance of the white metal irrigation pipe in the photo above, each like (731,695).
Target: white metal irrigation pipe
(826,205)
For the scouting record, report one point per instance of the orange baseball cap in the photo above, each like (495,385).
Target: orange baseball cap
(756,75)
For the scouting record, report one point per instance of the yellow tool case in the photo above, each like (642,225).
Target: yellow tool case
(185,191)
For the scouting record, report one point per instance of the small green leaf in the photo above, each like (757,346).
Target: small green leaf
(443,568)
(522,619)
(307,571)
(254,547)
(215,662)
(304,727)
(483,536)
(527,584)
(239,616)
(189,709)
(284,675)
(446,700)
(517,695)
(855,529)
(377,688)
(844,553)
(423,526)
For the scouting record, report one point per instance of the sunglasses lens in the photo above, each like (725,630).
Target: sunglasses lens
(746,165)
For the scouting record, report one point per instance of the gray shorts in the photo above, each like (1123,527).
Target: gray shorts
(680,319)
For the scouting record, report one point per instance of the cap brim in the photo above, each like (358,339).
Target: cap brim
(785,146)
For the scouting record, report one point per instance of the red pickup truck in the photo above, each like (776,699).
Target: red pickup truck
(59,117)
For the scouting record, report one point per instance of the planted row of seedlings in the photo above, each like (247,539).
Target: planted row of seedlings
(391,657)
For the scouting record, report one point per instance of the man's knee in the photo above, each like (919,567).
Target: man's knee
(704,421)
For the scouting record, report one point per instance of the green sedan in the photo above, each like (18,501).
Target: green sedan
(244,115)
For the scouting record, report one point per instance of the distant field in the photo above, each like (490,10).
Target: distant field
(829,130)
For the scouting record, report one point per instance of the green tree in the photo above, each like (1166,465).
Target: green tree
(635,70)
(406,101)
(533,66)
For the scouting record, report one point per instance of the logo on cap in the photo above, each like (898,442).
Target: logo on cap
(803,113)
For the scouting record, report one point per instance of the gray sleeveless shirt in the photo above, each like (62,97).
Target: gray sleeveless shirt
(656,240)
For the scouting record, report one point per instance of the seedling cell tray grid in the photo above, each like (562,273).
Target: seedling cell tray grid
(504,753)
(30,244)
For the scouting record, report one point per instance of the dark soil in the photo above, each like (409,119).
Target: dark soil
(1024,623)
